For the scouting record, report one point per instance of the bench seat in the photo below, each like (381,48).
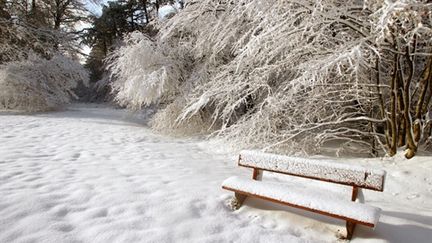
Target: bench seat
(353,175)
(318,201)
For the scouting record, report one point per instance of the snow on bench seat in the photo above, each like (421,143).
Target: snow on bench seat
(316,169)
(312,200)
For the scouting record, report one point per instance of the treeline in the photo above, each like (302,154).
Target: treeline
(298,76)
(39,53)
(118,19)
(41,45)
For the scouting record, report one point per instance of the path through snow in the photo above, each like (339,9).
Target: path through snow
(94,174)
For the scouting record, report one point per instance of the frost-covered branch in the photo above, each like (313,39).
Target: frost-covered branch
(260,72)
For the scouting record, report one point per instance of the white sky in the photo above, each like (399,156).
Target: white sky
(97,8)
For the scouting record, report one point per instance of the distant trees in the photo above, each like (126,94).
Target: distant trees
(38,53)
(38,84)
(294,75)
(3,13)
(20,32)
(63,13)
(118,19)
(54,14)
(54,21)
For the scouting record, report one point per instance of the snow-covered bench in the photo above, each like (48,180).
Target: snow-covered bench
(318,201)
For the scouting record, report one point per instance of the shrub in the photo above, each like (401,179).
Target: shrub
(38,84)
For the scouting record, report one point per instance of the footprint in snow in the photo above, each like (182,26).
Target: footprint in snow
(76,156)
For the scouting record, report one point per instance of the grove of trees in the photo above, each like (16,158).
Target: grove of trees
(292,75)
(118,18)
(39,51)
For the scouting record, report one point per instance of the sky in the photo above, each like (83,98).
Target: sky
(96,8)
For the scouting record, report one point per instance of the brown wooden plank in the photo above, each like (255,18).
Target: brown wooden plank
(324,170)
(300,207)
(314,178)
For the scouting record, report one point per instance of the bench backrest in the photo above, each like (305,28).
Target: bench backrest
(323,170)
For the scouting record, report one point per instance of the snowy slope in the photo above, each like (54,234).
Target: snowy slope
(94,174)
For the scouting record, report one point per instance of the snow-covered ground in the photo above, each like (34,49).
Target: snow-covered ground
(95,174)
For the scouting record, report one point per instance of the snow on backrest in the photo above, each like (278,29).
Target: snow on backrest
(315,169)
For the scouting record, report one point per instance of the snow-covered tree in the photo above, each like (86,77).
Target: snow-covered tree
(38,50)
(38,84)
(143,74)
(299,74)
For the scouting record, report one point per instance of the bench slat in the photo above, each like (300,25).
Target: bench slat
(352,175)
(311,200)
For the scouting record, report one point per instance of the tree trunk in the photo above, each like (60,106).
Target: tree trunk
(144,5)
(411,145)
(424,83)
(393,122)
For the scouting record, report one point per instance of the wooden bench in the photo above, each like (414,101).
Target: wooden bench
(318,201)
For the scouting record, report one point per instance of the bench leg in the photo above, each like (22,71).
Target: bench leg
(350,226)
(257,174)
(237,201)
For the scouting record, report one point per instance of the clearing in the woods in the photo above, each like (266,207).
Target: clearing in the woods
(94,174)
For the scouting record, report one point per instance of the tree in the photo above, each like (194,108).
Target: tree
(37,84)
(117,20)
(3,12)
(64,13)
(38,70)
(299,74)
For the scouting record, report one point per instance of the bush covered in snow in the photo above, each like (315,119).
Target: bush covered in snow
(17,40)
(38,84)
(143,72)
(290,74)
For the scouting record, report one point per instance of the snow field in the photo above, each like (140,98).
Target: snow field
(93,174)
(83,176)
